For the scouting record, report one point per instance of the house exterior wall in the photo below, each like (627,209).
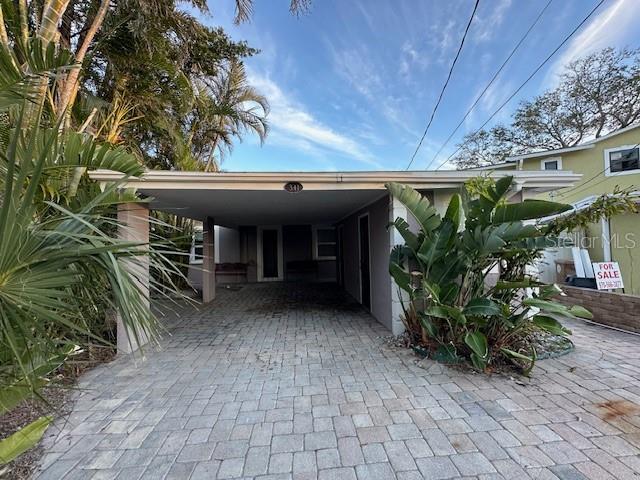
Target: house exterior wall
(625,249)
(590,163)
(624,230)
(249,251)
(227,245)
(379,246)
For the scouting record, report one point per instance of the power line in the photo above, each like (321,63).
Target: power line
(444,87)
(566,39)
(493,79)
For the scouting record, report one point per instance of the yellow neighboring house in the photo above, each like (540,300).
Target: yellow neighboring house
(606,162)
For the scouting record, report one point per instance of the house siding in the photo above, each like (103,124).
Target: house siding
(379,253)
(624,229)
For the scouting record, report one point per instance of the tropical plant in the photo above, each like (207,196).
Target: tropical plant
(227,107)
(57,237)
(244,8)
(137,69)
(444,268)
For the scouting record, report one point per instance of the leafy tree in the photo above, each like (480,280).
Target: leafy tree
(608,84)
(595,95)
(484,147)
(552,120)
(147,68)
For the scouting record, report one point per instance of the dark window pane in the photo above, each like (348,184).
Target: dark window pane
(551,165)
(624,160)
(328,250)
(326,235)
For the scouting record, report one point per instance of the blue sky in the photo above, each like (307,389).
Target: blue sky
(352,83)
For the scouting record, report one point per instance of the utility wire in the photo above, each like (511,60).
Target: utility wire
(583,186)
(533,74)
(493,79)
(444,87)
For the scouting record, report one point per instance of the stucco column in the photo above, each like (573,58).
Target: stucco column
(208,260)
(396,209)
(133,226)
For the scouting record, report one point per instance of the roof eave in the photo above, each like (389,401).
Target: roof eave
(178,180)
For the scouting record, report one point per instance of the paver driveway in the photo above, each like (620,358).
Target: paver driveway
(282,381)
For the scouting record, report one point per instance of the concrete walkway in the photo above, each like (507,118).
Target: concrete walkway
(279,381)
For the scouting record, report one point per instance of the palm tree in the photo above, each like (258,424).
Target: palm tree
(228,108)
(56,238)
(244,8)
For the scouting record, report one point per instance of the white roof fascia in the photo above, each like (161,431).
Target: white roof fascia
(179,180)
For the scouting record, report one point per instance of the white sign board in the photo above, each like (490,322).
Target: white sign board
(608,275)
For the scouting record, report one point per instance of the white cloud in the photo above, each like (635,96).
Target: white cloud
(484,26)
(356,67)
(293,126)
(611,27)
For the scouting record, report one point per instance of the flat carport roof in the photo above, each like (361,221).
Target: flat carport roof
(252,198)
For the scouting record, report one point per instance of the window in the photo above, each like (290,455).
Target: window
(196,253)
(324,243)
(551,164)
(622,160)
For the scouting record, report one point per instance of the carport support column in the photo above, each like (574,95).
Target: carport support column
(396,209)
(133,219)
(208,260)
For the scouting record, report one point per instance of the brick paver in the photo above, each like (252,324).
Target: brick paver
(295,381)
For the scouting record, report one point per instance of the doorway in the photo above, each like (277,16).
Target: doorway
(365,261)
(270,263)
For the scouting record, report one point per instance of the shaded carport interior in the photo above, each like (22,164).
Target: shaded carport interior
(233,208)
(331,198)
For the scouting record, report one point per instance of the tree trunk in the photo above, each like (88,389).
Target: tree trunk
(51,17)
(70,83)
(4,38)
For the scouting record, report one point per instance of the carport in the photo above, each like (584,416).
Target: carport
(355,204)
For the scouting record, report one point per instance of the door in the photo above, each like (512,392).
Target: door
(269,254)
(340,259)
(365,268)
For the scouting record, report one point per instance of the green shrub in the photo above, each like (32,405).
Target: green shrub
(444,268)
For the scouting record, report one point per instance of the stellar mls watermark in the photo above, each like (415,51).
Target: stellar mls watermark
(627,240)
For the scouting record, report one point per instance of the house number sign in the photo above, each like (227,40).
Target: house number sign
(293,187)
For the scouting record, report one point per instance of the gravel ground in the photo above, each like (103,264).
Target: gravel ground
(56,403)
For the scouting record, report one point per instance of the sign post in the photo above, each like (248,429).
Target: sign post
(608,275)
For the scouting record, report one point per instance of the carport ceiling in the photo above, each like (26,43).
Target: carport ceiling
(259,207)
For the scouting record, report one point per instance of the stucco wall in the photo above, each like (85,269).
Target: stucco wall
(379,253)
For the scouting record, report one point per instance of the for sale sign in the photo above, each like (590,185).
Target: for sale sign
(608,275)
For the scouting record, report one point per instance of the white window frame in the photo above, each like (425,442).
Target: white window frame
(544,161)
(607,161)
(316,243)
(192,252)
